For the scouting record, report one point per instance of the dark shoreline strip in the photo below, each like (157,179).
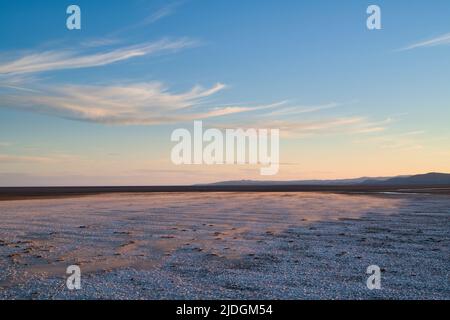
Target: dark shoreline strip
(22,193)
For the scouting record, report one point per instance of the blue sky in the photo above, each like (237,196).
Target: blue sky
(97,105)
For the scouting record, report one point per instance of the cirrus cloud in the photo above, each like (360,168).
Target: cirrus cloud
(45,61)
(437,41)
(132,104)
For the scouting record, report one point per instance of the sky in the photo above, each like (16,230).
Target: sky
(97,106)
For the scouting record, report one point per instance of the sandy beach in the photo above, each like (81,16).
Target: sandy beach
(220,245)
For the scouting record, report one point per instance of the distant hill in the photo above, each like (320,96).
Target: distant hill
(295,182)
(429,179)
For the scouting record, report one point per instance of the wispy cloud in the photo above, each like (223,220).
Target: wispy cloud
(295,110)
(290,128)
(323,126)
(132,104)
(4,158)
(114,37)
(153,17)
(161,13)
(66,59)
(144,103)
(438,41)
(138,103)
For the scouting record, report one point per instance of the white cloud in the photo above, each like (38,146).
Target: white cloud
(438,41)
(66,59)
(131,104)
(139,103)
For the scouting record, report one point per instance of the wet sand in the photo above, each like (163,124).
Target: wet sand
(226,245)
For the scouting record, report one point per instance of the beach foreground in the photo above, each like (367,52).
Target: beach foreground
(226,246)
